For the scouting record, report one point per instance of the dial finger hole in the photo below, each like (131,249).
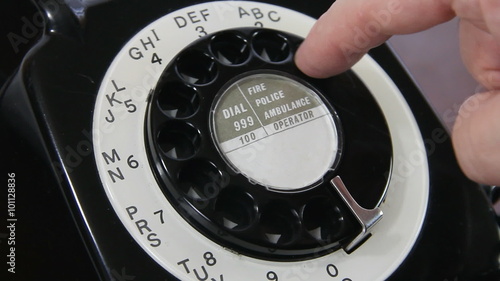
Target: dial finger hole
(178,100)
(200,180)
(229,48)
(322,220)
(236,209)
(196,68)
(179,140)
(280,224)
(271,46)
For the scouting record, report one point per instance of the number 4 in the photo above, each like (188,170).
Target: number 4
(155,58)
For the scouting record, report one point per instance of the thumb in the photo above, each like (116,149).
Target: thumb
(476,137)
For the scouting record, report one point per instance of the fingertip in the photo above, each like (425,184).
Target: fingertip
(491,9)
(476,138)
(305,63)
(319,59)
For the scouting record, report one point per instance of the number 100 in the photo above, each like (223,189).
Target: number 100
(247,138)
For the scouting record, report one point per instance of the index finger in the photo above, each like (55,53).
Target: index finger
(352,27)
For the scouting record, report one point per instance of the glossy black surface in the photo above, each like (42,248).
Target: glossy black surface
(57,81)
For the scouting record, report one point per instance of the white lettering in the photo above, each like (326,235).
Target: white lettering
(256,88)
(234,110)
(293,121)
(284,108)
(270,98)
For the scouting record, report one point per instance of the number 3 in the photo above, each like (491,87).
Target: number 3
(201,30)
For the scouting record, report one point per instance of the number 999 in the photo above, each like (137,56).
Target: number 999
(243,123)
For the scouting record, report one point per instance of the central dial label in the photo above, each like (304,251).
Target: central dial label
(276,131)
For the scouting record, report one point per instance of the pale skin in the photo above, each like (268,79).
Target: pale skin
(331,48)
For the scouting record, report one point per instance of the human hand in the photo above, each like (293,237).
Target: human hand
(352,27)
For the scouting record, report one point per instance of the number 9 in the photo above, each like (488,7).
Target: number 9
(237,126)
(271,275)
